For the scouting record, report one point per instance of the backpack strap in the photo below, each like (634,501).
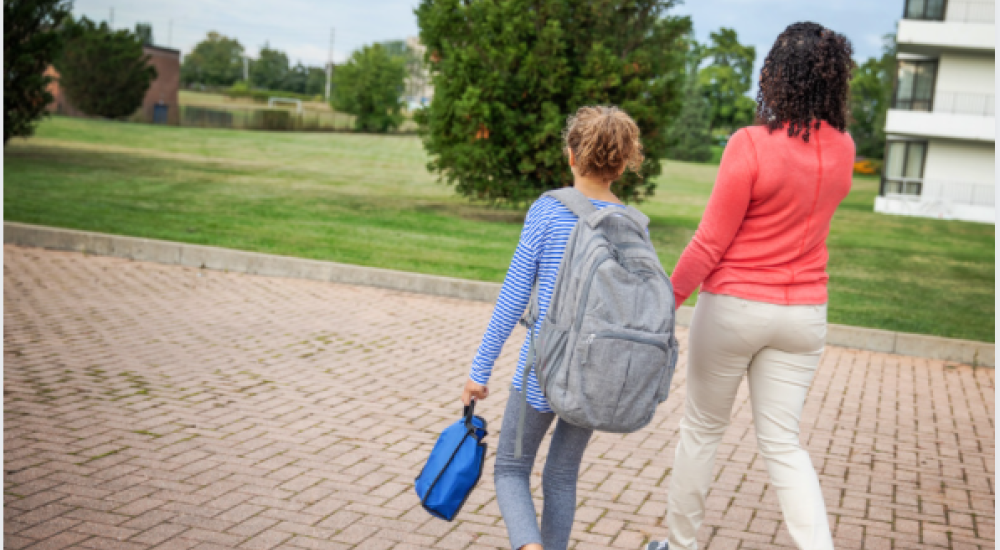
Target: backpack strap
(577,202)
(631,213)
(528,321)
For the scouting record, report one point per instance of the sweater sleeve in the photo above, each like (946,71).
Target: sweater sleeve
(722,219)
(514,296)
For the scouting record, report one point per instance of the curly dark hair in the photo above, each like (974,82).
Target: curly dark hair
(805,80)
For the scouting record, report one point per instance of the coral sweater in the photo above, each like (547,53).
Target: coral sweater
(763,235)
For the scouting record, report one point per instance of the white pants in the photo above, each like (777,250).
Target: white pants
(778,348)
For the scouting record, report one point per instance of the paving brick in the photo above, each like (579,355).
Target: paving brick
(178,408)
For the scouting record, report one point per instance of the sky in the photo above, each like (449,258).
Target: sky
(302,27)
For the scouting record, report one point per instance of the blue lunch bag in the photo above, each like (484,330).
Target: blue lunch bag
(454,467)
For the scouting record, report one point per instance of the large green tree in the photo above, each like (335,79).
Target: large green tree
(270,70)
(508,73)
(727,78)
(689,137)
(31,42)
(104,72)
(215,61)
(316,81)
(871,94)
(369,86)
(296,79)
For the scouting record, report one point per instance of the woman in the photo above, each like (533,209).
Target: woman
(600,144)
(760,257)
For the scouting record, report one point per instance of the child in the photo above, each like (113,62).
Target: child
(600,143)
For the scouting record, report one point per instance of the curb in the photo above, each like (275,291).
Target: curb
(980,354)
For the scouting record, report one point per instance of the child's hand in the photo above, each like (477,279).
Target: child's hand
(473,391)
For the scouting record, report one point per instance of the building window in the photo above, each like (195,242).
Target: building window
(904,167)
(932,10)
(915,85)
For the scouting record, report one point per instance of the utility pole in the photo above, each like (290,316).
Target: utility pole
(329,67)
(246,70)
(111,20)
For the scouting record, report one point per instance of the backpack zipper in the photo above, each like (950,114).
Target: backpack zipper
(629,337)
(586,290)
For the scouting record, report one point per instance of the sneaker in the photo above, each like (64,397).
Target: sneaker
(653,545)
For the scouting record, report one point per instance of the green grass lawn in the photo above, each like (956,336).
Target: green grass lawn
(369,200)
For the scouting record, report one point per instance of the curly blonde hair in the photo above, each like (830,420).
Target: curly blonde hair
(604,141)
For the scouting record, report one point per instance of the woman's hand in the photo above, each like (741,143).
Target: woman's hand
(473,391)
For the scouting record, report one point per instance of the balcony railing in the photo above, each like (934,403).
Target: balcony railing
(902,186)
(962,103)
(955,11)
(973,194)
(971,11)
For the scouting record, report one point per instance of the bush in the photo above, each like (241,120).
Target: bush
(103,72)
(241,89)
(507,74)
(30,43)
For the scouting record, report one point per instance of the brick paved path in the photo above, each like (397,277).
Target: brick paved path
(150,406)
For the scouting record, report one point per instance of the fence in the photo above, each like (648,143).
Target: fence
(955,11)
(274,120)
(961,103)
(264,119)
(972,194)
(971,11)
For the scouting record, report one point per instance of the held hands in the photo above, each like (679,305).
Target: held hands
(472,391)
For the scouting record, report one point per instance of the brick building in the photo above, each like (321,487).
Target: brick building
(162,90)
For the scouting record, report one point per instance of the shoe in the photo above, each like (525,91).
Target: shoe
(653,545)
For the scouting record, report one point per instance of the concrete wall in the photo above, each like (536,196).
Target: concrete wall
(966,73)
(164,88)
(960,161)
(931,37)
(941,125)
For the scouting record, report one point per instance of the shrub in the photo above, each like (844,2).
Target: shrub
(507,74)
(30,43)
(104,72)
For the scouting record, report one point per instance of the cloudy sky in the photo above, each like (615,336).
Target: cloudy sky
(302,27)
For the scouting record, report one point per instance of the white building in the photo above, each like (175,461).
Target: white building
(418,88)
(940,129)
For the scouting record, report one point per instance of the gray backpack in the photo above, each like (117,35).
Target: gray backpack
(606,350)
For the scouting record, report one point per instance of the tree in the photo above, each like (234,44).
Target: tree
(369,86)
(215,61)
(871,94)
(104,72)
(145,33)
(316,81)
(270,70)
(507,74)
(727,78)
(689,136)
(30,43)
(296,79)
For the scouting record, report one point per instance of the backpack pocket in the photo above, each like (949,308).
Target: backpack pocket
(668,374)
(552,349)
(620,377)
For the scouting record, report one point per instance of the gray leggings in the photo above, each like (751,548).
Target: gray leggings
(512,477)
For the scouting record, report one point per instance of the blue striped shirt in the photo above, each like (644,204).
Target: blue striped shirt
(547,228)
